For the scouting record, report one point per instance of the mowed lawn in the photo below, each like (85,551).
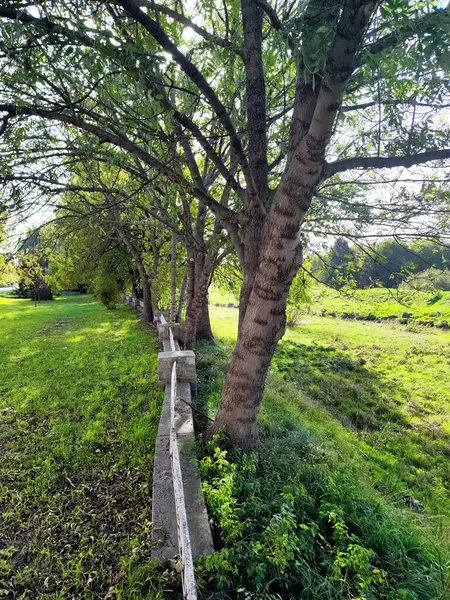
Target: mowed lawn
(378,392)
(79,410)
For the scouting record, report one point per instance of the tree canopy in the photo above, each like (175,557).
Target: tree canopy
(244,127)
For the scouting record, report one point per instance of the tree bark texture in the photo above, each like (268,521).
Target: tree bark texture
(263,299)
(173,278)
(204,331)
(199,277)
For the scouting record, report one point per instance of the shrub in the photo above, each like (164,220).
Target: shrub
(294,525)
(293,315)
(430,280)
(106,290)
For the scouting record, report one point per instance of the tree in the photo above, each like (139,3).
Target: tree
(340,264)
(242,145)
(33,274)
(8,274)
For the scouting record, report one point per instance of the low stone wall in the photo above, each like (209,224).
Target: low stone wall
(165,533)
(136,303)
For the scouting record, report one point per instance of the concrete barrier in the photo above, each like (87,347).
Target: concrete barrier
(164,514)
(165,533)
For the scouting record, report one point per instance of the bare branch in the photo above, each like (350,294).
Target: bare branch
(189,69)
(384,162)
(270,12)
(176,16)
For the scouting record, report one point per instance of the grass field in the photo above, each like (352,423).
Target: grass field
(355,415)
(79,410)
(388,386)
(406,306)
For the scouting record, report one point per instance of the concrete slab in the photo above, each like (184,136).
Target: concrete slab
(185,366)
(164,534)
(163,330)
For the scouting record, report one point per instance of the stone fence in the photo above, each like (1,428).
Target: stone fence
(180,520)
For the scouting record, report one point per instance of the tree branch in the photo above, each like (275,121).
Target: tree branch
(128,145)
(425,24)
(252,19)
(384,162)
(189,69)
(176,16)
(270,12)
(365,105)
(45,25)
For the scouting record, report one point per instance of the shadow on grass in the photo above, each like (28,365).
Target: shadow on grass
(341,383)
(79,411)
(404,453)
(289,517)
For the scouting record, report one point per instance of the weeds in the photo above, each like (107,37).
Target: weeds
(349,428)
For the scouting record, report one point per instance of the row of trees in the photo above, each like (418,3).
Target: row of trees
(388,263)
(242,129)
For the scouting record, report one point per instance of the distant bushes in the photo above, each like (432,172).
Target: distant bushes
(389,264)
(106,289)
(429,281)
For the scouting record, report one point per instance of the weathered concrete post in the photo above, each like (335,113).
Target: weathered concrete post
(164,512)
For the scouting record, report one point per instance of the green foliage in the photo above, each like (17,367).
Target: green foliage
(297,523)
(107,290)
(32,271)
(388,264)
(430,280)
(299,298)
(339,264)
(8,274)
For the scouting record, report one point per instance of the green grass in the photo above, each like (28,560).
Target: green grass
(220,297)
(425,308)
(79,411)
(355,414)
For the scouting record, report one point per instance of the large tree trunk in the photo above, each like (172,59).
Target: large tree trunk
(263,320)
(204,331)
(199,277)
(189,321)
(173,278)
(195,309)
(262,327)
(147,313)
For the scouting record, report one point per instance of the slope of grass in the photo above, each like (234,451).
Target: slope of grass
(217,297)
(427,308)
(355,415)
(79,410)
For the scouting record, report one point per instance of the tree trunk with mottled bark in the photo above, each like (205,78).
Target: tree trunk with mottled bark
(147,312)
(204,330)
(199,277)
(173,278)
(264,296)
